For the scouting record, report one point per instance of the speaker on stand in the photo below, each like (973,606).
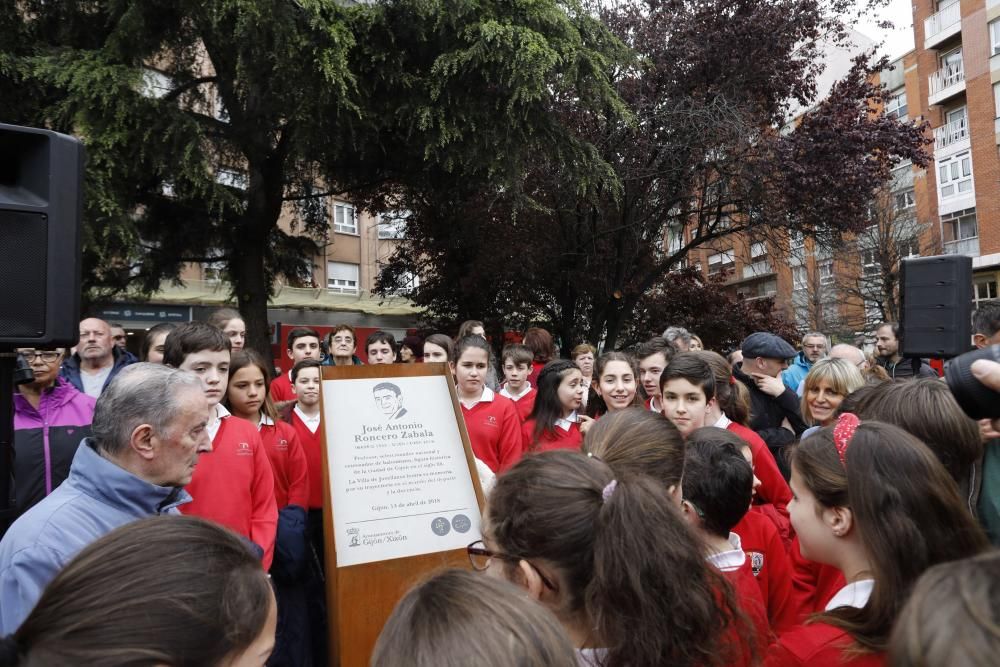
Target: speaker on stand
(41,174)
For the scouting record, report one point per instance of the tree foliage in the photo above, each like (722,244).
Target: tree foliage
(704,153)
(291,101)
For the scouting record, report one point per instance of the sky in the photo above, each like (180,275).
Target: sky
(897,41)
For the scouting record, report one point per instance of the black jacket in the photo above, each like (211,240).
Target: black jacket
(767,414)
(907,368)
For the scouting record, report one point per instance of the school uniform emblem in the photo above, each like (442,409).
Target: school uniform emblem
(243,449)
(282,445)
(756,562)
(491,420)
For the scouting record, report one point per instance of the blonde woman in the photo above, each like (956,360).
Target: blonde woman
(827,384)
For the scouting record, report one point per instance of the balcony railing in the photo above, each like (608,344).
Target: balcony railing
(945,21)
(964,247)
(952,133)
(946,77)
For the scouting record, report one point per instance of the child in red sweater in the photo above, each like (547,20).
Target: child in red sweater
(233,484)
(731,411)
(554,422)
(687,391)
(718,487)
(516,363)
(490,419)
(303,343)
(760,540)
(247,398)
(614,383)
(874,502)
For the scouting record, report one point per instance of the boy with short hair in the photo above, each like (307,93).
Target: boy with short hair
(653,356)
(341,345)
(516,359)
(718,489)
(687,390)
(304,415)
(233,484)
(303,343)
(381,348)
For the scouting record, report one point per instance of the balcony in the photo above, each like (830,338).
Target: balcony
(968,247)
(953,136)
(757,269)
(942,25)
(946,83)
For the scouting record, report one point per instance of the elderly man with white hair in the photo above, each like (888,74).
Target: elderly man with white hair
(149,428)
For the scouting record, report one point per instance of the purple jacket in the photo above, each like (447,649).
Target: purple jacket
(46,439)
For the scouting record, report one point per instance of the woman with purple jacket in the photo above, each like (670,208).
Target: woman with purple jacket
(51,417)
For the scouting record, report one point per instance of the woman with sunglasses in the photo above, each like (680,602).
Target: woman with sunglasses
(51,417)
(612,558)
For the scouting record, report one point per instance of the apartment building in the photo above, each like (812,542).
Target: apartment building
(957,58)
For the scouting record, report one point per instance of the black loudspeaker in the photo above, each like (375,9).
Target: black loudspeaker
(41,174)
(936,306)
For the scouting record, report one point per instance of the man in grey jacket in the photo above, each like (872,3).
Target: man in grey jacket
(149,427)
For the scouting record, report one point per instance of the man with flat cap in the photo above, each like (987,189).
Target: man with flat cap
(774,407)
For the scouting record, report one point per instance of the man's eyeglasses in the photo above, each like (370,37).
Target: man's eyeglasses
(480,558)
(47,356)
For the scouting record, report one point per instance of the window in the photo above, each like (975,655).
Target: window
(960,225)
(996,99)
(909,248)
(984,290)
(345,219)
(392,225)
(955,175)
(825,270)
(758,251)
(951,62)
(796,240)
(869,262)
(904,200)
(231,178)
(895,106)
(800,278)
(675,238)
(995,37)
(407,283)
(719,262)
(155,84)
(342,277)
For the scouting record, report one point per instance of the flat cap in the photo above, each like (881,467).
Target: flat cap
(767,345)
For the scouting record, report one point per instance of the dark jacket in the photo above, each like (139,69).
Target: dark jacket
(907,368)
(46,439)
(71,367)
(767,414)
(328,360)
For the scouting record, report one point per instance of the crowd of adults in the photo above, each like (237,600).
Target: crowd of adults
(667,505)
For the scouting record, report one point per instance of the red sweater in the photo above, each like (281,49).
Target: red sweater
(773,488)
(819,645)
(312,445)
(752,604)
(288,462)
(813,584)
(560,439)
(281,389)
(494,431)
(536,369)
(770,567)
(233,485)
(525,404)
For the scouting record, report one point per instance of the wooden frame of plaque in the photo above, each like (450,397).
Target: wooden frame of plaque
(361,597)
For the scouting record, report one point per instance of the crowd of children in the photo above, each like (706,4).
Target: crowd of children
(634,516)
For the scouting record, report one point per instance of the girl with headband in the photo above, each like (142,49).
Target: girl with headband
(613,559)
(872,501)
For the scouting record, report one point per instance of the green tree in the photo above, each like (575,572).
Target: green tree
(702,154)
(290,101)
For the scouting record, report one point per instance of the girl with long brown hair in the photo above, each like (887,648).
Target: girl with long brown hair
(874,502)
(611,556)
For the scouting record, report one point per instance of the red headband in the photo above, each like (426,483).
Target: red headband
(847,424)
